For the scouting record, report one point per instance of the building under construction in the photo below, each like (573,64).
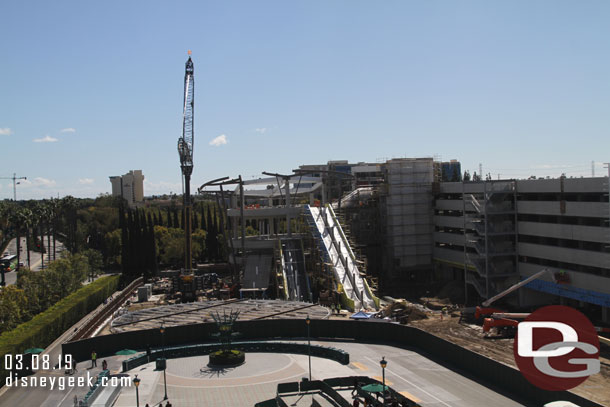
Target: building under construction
(408,226)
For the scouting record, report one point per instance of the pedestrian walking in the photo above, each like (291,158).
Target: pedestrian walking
(104,365)
(93,359)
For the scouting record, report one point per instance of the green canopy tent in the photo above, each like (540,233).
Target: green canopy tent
(374,388)
(34,350)
(126,352)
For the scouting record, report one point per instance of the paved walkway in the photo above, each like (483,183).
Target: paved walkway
(191,383)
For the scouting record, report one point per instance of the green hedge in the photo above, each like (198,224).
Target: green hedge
(47,326)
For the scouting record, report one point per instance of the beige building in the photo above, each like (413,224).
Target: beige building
(130,186)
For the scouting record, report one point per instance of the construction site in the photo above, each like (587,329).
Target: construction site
(374,237)
(407,242)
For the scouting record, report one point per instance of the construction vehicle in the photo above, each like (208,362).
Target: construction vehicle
(506,323)
(484,311)
(505,327)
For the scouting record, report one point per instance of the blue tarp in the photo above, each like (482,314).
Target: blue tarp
(361,315)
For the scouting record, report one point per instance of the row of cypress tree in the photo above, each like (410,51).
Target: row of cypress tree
(138,243)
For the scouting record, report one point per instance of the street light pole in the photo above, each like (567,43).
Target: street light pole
(383,364)
(162,329)
(136,381)
(308,321)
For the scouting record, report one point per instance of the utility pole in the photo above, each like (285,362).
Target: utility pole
(242,204)
(14,178)
(607,165)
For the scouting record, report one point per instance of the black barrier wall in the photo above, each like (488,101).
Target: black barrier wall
(481,368)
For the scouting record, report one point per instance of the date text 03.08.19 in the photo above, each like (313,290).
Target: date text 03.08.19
(36,362)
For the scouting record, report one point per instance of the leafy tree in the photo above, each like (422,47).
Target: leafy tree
(171,245)
(176,221)
(13,307)
(95,260)
(169,219)
(112,241)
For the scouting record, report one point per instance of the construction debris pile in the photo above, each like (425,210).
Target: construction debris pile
(404,311)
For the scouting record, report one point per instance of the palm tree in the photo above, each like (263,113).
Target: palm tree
(69,206)
(54,206)
(11,213)
(40,218)
(25,219)
(5,223)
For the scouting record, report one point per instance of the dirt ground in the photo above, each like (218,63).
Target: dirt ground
(596,388)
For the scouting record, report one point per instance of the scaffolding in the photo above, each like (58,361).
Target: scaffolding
(408,212)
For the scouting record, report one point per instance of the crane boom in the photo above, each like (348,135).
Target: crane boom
(185,143)
(185,151)
(514,287)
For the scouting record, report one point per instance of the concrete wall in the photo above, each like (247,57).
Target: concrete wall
(566,255)
(562,231)
(584,209)
(570,185)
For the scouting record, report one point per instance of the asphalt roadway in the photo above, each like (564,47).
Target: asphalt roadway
(35,257)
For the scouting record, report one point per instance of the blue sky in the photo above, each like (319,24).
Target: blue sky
(93,89)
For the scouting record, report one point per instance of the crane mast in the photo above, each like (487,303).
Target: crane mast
(185,151)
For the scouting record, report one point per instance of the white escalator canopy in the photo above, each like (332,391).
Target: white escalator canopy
(341,256)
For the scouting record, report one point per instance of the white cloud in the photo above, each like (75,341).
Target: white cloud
(68,130)
(5,131)
(219,141)
(261,130)
(44,182)
(38,182)
(45,139)
(85,181)
(552,166)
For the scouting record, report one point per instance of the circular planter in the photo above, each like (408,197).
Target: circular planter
(230,358)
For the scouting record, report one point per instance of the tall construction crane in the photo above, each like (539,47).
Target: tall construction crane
(14,178)
(185,151)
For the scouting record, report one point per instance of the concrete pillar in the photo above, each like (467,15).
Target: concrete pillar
(287,197)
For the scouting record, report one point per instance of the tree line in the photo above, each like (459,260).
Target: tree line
(151,237)
(35,292)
